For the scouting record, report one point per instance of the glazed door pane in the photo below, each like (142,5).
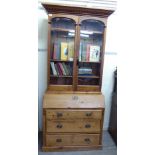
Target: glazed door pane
(91,48)
(62,51)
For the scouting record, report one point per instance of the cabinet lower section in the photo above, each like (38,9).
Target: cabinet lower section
(74,128)
(72,139)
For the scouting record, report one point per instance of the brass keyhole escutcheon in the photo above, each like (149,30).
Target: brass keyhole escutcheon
(74,97)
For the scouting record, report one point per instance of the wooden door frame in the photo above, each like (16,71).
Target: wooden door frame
(61,87)
(104,21)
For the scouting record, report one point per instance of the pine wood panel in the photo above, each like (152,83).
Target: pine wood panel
(78,125)
(71,148)
(88,88)
(73,114)
(72,139)
(73,101)
(60,87)
(75,10)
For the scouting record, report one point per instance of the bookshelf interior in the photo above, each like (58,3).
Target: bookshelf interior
(76,51)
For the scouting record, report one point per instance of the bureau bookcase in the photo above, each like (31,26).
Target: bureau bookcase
(73,105)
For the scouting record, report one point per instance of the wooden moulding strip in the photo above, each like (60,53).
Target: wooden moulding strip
(83,88)
(88,88)
(71,148)
(60,87)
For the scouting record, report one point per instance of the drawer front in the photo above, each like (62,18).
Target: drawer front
(81,125)
(72,139)
(71,114)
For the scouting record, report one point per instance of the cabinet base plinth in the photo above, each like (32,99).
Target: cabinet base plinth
(70,148)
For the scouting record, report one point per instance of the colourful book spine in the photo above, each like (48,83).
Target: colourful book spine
(94,53)
(53,68)
(83,53)
(65,68)
(60,71)
(54,51)
(70,51)
(58,51)
(64,51)
(63,71)
(56,68)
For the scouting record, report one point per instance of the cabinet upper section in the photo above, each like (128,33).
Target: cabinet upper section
(74,10)
(76,43)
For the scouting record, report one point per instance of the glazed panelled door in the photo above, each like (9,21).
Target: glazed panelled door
(90,54)
(61,53)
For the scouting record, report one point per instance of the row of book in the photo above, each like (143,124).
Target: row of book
(85,71)
(63,51)
(61,69)
(89,52)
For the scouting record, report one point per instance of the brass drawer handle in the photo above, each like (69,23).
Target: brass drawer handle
(58,140)
(87,126)
(89,114)
(59,114)
(59,126)
(87,140)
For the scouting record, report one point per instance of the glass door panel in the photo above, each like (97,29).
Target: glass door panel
(62,51)
(91,40)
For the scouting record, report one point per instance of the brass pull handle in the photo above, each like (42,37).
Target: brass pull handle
(59,140)
(87,140)
(59,114)
(87,126)
(89,114)
(59,126)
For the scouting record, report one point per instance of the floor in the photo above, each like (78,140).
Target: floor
(109,148)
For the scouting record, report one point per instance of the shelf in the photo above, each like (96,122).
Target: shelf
(61,76)
(60,60)
(62,30)
(87,76)
(73,31)
(89,62)
(90,32)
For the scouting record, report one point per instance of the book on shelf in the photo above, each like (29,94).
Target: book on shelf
(69,69)
(53,68)
(83,53)
(70,51)
(94,53)
(84,70)
(56,68)
(56,50)
(65,68)
(59,69)
(62,69)
(89,52)
(85,75)
(64,51)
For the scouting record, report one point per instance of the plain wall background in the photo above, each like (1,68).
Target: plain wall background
(109,64)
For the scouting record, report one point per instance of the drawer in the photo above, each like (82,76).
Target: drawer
(72,139)
(79,125)
(71,114)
